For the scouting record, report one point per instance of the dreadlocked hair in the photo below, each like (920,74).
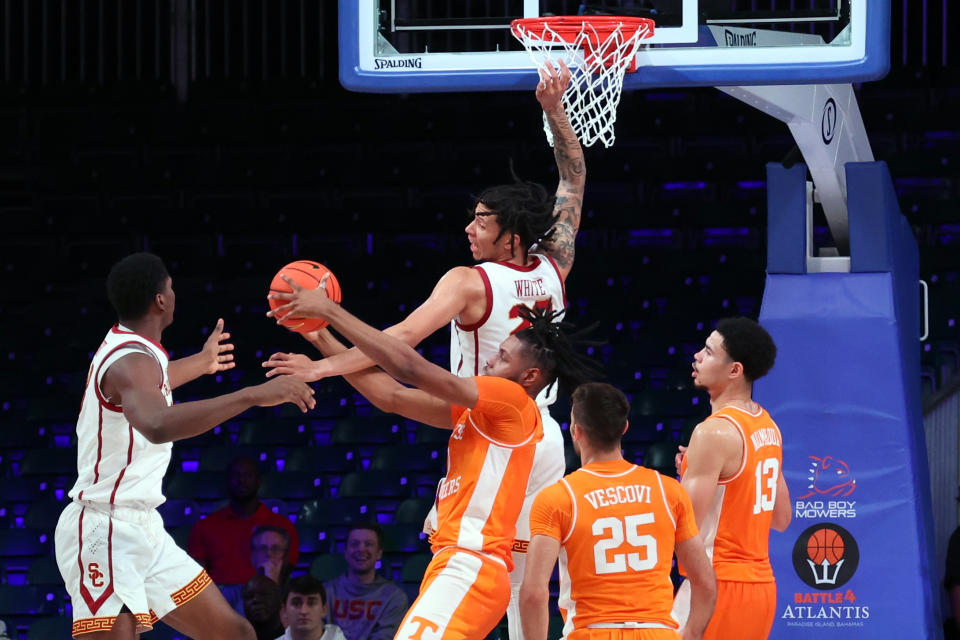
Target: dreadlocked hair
(524,208)
(553,348)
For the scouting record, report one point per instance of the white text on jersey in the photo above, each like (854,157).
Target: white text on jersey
(448,487)
(618,495)
(765,437)
(530,288)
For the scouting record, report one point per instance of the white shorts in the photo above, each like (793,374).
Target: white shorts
(549,464)
(111,557)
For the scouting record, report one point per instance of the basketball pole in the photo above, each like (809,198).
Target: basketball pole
(847,326)
(827,126)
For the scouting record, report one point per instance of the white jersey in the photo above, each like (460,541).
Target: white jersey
(507,287)
(116,464)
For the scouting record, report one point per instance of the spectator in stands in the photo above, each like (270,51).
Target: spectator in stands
(269,550)
(221,542)
(261,606)
(3,631)
(304,609)
(365,605)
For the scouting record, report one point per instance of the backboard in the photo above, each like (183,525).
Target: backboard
(394,46)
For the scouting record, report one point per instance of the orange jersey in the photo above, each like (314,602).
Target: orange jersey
(618,525)
(489,458)
(743,510)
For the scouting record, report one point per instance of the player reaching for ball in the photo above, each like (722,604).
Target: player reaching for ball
(122,570)
(307,274)
(524,240)
(495,425)
(732,471)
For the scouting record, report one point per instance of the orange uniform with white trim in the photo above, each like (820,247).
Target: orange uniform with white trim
(618,525)
(743,509)
(466,587)
(489,458)
(736,531)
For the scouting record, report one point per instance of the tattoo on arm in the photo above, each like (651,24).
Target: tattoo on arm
(569,201)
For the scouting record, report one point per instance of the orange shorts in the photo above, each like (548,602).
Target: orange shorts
(745,610)
(463,596)
(623,634)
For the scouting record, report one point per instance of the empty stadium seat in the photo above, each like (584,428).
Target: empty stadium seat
(25,542)
(44,571)
(290,485)
(328,566)
(204,485)
(44,514)
(403,538)
(328,512)
(414,567)
(57,628)
(28,600)
(374,484)
(413,511)
(178,512)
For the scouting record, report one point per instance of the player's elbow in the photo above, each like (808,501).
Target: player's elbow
(154,433)
(404,334)
(532,596)
(703,582)
(386,402)
(411,368)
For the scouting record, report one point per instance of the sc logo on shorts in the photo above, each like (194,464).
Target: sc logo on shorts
(95,575)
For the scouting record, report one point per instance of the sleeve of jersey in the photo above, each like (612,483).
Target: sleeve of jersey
(683,513)
(550,513)
(500,406)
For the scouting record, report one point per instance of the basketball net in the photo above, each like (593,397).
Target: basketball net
(604,50)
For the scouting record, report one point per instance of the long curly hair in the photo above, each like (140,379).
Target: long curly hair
(553,346)
(522,208)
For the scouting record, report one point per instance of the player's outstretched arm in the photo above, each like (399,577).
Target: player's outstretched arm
(133,383)
(449,298)
(534,591)
(712,443)
(380,389)
(216,356)
(703,586)
(395,356)
(570,164)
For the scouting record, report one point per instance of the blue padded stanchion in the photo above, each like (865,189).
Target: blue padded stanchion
(857,560)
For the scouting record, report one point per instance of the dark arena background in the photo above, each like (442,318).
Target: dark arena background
(215,133)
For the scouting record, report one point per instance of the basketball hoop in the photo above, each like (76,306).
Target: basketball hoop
(609,47)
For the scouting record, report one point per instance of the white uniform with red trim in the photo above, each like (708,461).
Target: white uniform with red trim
(111,546)
(507,286)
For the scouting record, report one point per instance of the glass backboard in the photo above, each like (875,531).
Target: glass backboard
(466,45)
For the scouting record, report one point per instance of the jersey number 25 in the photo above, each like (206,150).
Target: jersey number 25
(618,562)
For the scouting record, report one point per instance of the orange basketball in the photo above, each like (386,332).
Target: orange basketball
(307,274)
(825,544)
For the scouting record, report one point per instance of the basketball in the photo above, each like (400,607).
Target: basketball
(825,544)
(307,274)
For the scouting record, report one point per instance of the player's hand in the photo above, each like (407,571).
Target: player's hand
(284,389)
(216,352)
(553,83)
(302,303)
(292,364)
(678,459)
